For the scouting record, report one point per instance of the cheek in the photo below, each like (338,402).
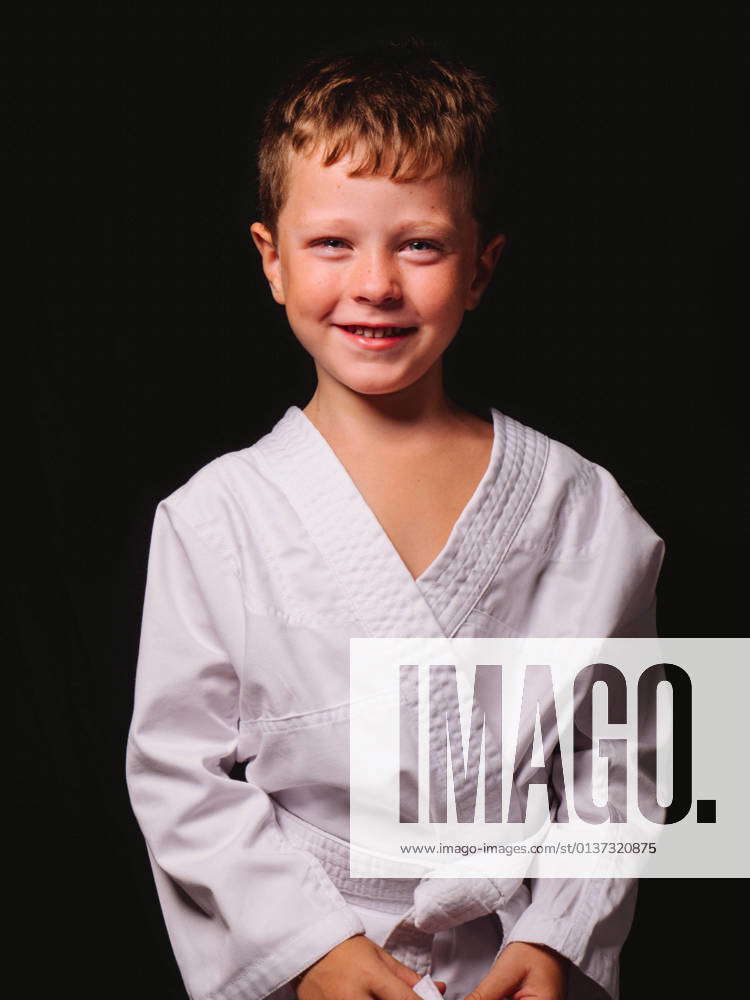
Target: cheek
(440,291)
(311,289)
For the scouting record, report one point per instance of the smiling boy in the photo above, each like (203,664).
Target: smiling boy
(382,508)
(376,250)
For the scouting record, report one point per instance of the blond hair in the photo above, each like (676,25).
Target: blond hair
(401,108)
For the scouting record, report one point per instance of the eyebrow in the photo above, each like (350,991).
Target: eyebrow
(436,227)
(427,225)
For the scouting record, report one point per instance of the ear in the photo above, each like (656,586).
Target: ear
(271,263)
(485,267)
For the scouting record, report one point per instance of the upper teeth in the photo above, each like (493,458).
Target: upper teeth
(364,331)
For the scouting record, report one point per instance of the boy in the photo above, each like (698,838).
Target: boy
(382,508)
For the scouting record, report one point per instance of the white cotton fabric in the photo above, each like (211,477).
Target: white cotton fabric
(427,989)
(261,568)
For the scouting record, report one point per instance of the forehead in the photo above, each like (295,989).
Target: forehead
(313,189)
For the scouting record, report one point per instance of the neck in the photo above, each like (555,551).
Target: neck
(340,412)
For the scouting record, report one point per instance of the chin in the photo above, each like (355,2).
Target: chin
(379,387)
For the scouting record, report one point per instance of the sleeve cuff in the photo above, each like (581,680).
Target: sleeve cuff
(273,973)
(535,927)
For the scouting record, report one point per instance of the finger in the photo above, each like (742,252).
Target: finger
(501,981)
(441,985)
(390,987)
(403,972)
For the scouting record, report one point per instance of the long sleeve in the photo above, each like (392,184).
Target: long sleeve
(245,911)
(588,920)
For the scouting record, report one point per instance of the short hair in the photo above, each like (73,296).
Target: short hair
(412,112)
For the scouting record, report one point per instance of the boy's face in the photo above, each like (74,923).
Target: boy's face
(368,252)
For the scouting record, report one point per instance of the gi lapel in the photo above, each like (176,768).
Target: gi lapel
(483,534)
(386,599)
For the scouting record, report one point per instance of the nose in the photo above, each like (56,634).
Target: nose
(375,278)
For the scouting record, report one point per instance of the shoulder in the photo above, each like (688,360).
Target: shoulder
(229,483)
(578,503)
(224,503)
(214,486)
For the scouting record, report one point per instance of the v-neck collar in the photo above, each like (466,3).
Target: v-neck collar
(386,599)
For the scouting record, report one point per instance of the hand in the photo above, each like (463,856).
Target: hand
(524,972)
(358,968)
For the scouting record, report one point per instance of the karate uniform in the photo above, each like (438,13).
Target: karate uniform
(261,568)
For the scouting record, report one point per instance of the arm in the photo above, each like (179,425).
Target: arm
(586,921)
(244,910)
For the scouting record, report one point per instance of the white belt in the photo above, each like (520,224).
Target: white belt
(428,905)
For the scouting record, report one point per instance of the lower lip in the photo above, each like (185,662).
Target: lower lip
(376,343)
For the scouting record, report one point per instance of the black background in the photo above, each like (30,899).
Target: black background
(153,346)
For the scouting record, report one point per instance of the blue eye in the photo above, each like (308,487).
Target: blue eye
(423,245)
(328,241)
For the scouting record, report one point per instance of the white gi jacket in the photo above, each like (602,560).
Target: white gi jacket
(262,567)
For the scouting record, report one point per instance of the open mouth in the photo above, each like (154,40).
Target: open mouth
(379,333)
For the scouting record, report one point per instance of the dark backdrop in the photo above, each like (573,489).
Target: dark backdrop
(155,346)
